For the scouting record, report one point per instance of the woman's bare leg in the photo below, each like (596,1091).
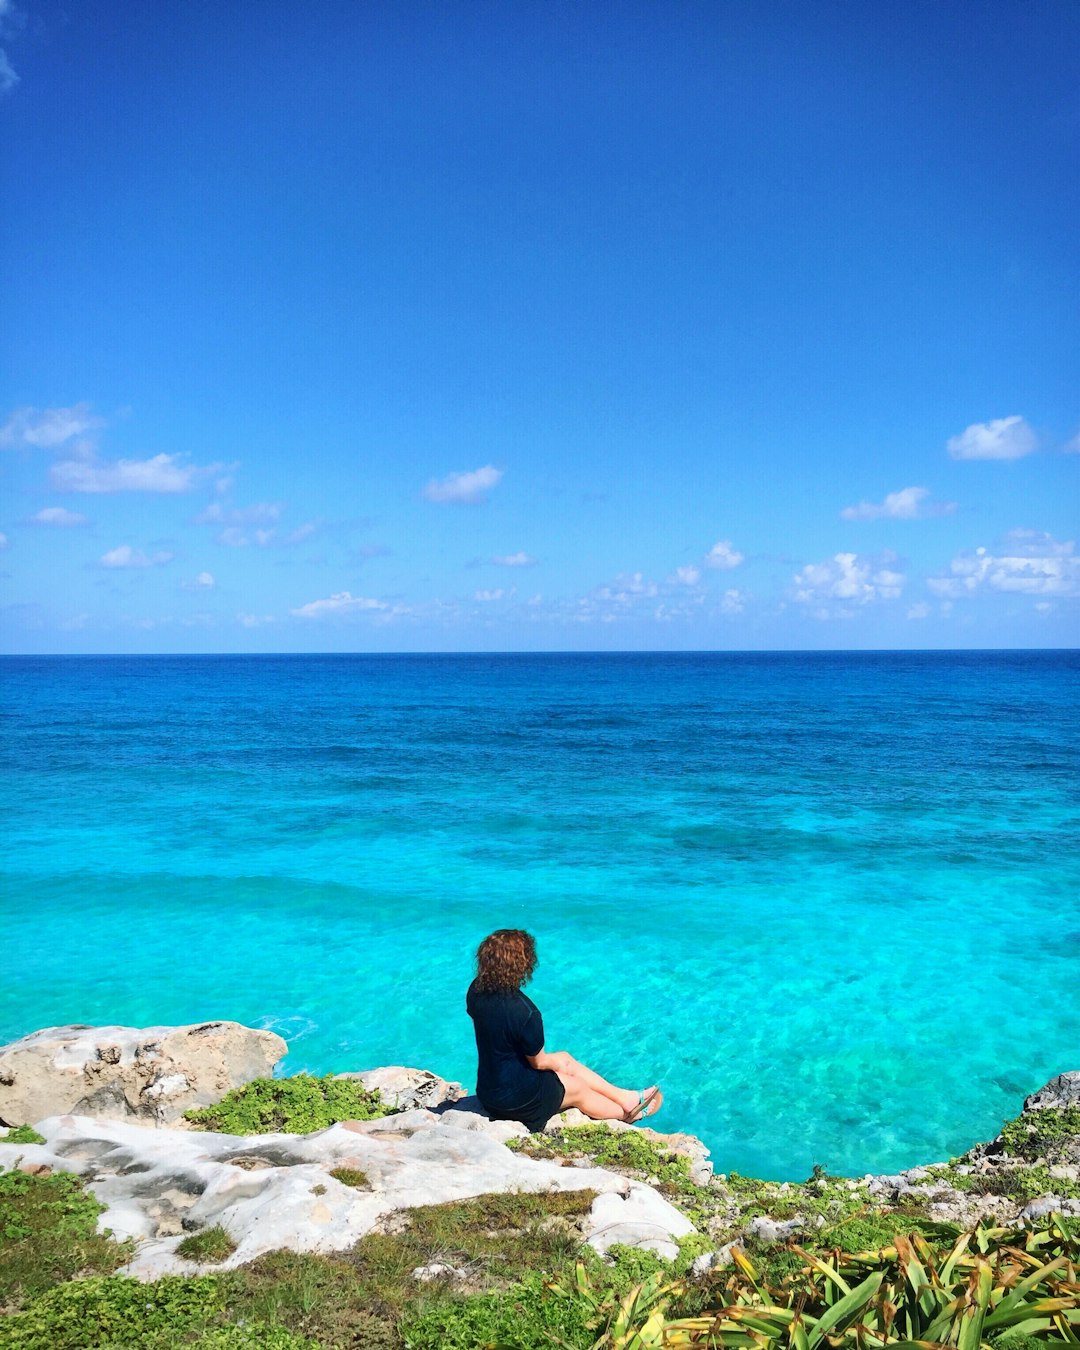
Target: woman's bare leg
(596,1105)
(597,1098)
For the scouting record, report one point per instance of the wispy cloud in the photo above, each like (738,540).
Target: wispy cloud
(8,78)
(910,503)
(723,555)
(203,582)
(686,576)
(257,513)
(11,21)
(520,559)
(126,556)
(59,516)
(162,473)
(844,580)
(1002,438)
(3,541)
(1072,447)
(485,596)
(342,602)
(1029,562)
(464,488)
(48,428)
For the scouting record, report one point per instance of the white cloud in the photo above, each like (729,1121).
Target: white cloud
(723,555)
(58,515)
(849,578)
(302,532)
(1029,562)
(489,595)
(8,78)
(1002,438)
(732,602)
(162,473)
(126,556)
(254,620)
(340,603)
(464,488)
(687,576)
(258,513)
(203,582)
(520,559)
(49,427)
(910,503)
(920,610)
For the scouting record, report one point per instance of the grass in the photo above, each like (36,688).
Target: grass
(298,1105)
(208,1247)
(517,1260)
(48,1234)
(351,1176)
(363,1298)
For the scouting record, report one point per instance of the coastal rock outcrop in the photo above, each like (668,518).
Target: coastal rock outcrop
(279,1190)
(149,1074)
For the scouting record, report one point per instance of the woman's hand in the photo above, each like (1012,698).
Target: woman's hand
(558,1060)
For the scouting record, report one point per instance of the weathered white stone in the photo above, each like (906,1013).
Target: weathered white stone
(437,1271)
(149,1074)
(1062,1091)
(639,1218)
(275,1190)
(713,1260)
(404,1089)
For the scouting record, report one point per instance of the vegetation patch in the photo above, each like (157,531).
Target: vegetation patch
(208,1246)
(1020,1183)
(1041,1134)
(22,1134)
(629,1153)
(297,1105)
(351,1176)
(48,1234)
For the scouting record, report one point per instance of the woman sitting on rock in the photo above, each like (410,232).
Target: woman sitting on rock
(517,1078)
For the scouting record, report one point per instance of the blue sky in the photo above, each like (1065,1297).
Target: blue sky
(456,326)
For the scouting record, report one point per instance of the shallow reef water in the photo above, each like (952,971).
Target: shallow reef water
(830,900)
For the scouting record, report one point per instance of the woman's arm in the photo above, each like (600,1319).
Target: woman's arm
(558,1060)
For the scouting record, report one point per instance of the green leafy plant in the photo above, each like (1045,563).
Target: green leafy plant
(297,1105)
(22,1134)
(208,1246)
(990,1282)
(1040,1134)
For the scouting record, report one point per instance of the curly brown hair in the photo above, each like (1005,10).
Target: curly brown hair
(505,959)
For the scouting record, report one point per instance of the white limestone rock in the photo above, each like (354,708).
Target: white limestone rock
(405,1089)
(275,1191)
(640,1218)
(149,1074)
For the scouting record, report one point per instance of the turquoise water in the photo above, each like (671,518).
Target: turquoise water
(832,901)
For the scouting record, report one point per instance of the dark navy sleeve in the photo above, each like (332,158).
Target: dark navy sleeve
(530,1031)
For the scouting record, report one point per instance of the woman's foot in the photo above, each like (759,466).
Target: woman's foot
(647,1104)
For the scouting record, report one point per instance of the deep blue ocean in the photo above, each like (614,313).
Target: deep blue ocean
(830,901)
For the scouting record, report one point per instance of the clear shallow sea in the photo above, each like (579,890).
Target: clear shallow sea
(831,900)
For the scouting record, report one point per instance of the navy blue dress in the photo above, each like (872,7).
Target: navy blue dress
(508,1027)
